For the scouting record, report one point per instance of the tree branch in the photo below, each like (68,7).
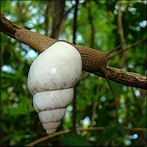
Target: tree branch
(74,113)
(121,30)
(82,129)
(125,78)
(41,42)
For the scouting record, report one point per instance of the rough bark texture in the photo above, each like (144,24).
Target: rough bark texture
(41,42)
(126,78)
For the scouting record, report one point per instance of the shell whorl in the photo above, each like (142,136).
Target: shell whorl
(51,78)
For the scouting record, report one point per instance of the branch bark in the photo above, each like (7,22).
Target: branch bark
(125,78)
(41,43)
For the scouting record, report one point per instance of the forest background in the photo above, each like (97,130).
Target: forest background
(118,119)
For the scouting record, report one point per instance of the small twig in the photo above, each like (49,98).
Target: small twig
(121,30)
(107,142)
(85,129)
(84,76)
(75,88)
(125,49)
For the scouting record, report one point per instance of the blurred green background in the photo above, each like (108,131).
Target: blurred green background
(97,27)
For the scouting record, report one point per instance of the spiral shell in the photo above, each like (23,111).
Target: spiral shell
(51,78)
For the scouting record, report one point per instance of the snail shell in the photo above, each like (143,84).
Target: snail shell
(51,78)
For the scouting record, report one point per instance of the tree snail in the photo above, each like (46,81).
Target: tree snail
(92,60)
(51,78)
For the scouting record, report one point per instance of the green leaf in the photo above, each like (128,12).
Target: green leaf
(21,109)
(117,88)
(8,76)
(112,131)
(74,141)
(142,122)
(12,135)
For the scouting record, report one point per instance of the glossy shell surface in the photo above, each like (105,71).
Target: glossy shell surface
(58,67)
(51,78)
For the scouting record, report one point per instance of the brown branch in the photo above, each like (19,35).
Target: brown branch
(75,22)
(43,42)
(47,13)
(84,76)
(8,27)
(85,129)
(60,17)
(121,30)
(125,78)
(74,113)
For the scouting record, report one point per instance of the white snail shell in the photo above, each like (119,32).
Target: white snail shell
(51,78)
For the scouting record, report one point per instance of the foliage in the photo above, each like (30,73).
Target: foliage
(75,140)
(96,106)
